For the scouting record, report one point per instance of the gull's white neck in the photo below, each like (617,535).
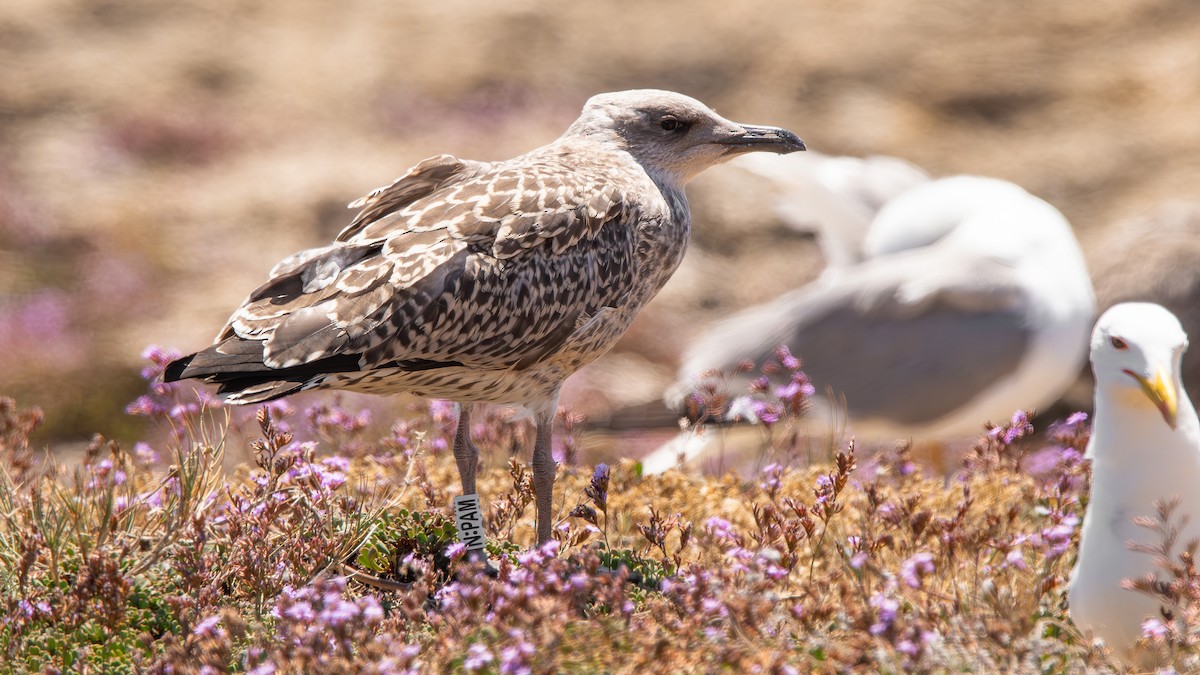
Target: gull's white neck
(1139,437)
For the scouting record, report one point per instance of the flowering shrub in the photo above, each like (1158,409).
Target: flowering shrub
(780,392)
(334,551)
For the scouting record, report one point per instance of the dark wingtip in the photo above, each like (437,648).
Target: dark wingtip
(174,369)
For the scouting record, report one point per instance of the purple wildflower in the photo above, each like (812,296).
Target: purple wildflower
(766,413)
(597,490)
(796,390)
(144,453)
(208,627)
(720,529)
(786,359)
(1044,461)
(371,610)
(329,419)
(146,407)
(774,572)
(740,557)
(772,478)
(456,550)
(331,472)
(1055,539)
(824,489)
(310,614)
(1155,629)
(515,658)
(443,411)
(713,607)
(1069,427)
(300,611)
(1017,428)
(159,358)
(887,613)
(478,656)
(914,570)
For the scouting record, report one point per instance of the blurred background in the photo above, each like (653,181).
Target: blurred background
(157,158)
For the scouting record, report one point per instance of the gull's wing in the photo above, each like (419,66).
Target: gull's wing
(906,339)
(457,263)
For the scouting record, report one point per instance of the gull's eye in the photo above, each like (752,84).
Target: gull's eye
(1118,343)
(670,124)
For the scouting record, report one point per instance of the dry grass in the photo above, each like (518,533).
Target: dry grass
(334,550)
(156,159)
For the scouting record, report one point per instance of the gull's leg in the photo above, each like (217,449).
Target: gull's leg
(466,455)
(544,469)
(468,514)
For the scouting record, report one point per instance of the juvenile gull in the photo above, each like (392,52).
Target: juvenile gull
(973,301)
(487,281)
(1145,446)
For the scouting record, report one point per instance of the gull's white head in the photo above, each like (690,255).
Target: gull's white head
(1136,351)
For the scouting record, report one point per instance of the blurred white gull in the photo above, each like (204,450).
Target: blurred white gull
(1145,446)
(973,301)
(1167,240)
(834,197)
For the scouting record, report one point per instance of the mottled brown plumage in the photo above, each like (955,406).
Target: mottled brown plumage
(476,281)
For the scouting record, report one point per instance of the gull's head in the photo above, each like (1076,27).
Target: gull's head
(1136,352)
(675,135)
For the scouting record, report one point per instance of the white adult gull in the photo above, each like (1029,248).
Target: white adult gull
(1145,446)
(487,281)
(835,197)
(973,301)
